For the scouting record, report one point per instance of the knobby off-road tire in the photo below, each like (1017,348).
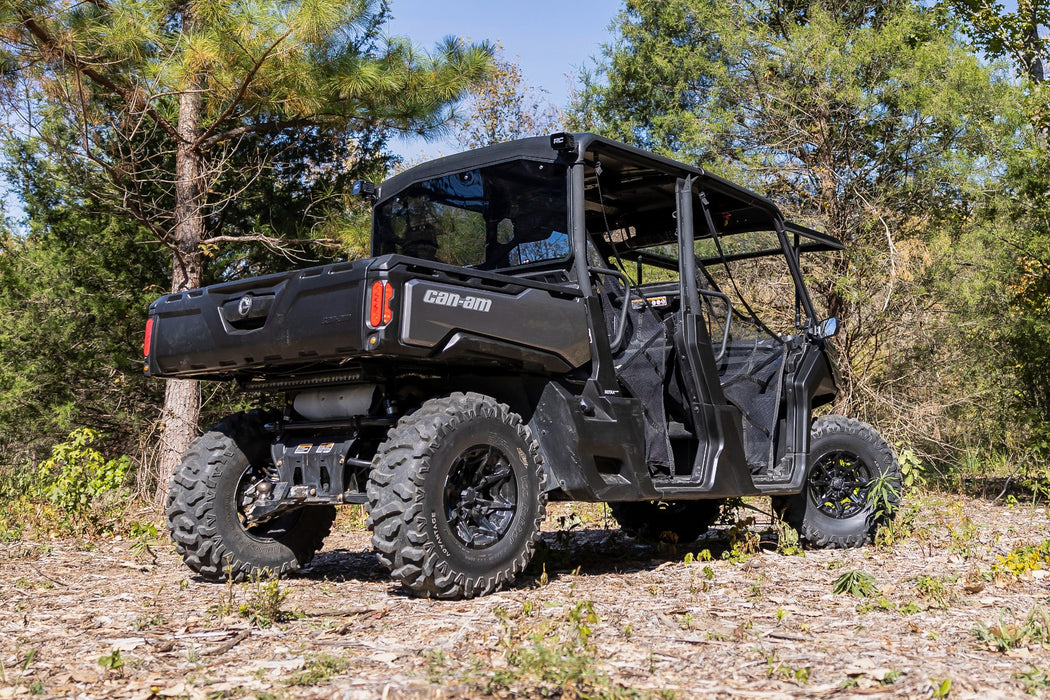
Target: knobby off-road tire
(847,457)
(206,500)
(649,520)
(456,497)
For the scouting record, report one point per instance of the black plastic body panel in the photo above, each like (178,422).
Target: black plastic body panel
(311,315)
(811,384)
(718,469)
(315,319)
(597,457)
(434,313)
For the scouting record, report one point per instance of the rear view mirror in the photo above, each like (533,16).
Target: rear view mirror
(829,328)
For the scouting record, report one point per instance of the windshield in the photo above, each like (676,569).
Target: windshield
(493,217)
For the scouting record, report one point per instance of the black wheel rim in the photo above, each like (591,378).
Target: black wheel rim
(481,496)
(838,484)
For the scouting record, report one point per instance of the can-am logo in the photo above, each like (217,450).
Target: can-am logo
(468,303)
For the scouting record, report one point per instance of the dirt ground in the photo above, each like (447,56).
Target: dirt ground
(598,615)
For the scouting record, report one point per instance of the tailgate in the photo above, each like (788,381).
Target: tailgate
(281,320)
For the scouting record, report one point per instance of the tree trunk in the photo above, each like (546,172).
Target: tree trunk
(1033,45)
(182,397)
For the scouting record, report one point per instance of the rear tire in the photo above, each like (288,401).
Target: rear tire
(649,520)
(456,497)
(833,509)
(205,507)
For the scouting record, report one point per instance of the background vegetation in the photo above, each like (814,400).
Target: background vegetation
(914,131)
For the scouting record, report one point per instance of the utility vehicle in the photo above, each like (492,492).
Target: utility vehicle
(554,318)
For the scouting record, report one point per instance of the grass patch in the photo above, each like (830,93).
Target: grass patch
(545,656)
(1005,635)
(318,669)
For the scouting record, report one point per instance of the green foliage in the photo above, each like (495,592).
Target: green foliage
(1034,680)
(318,669)
(859,584)
(879,603)
(73,293)
(913,471)
(937,591)
(1011,35)
(265,598)
(788,542)
(502,107)
(112,661)
(883,497)
(76,490)
(743,541)
(877,124)
(776,669)
(551,656)
(902,527)
(76,474)
(144,535)
(940,688)
(1023,559)
(1027,333)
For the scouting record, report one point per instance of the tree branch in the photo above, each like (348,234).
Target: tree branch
(131,97)
(204,138)
(273,127)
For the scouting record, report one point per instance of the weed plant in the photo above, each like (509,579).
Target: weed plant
(1022,560)
(318,669)
(548,657)
(859,584)
(1006,635)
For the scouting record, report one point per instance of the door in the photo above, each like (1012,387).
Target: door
(719,463)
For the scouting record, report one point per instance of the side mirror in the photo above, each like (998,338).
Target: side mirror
(829,328)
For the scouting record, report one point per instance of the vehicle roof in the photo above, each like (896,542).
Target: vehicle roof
(734,207)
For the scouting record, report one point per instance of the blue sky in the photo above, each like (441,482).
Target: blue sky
(549,39)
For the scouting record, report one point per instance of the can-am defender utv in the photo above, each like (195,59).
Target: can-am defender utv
(560,318)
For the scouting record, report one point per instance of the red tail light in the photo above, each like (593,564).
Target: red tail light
(379,310)
(149,337)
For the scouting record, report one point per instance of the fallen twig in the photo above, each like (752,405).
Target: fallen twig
(226,646)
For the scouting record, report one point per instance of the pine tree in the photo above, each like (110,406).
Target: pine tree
(162,96)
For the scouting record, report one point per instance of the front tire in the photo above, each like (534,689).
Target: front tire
(456,497)
(206,501)
(847,458)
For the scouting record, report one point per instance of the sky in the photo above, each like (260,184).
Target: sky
(549,39)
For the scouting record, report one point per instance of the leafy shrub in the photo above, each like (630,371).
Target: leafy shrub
(76,474)
(913,471)
(75,490)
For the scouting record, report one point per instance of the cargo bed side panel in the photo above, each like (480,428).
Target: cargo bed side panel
(533,319)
